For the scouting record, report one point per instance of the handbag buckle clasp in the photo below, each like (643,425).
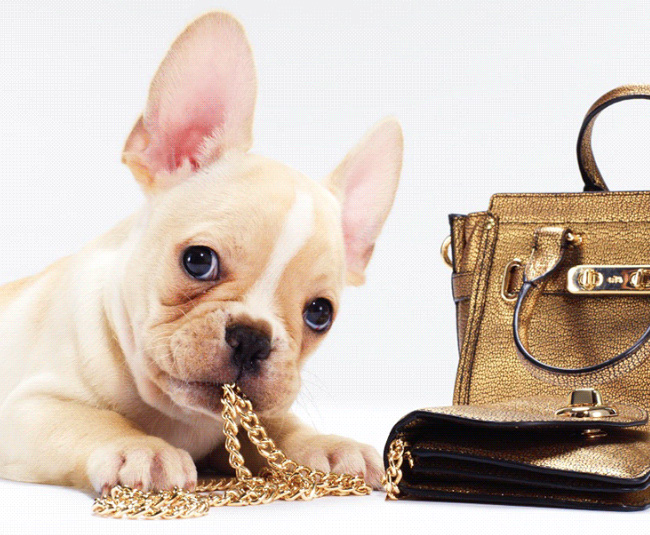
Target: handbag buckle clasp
(609,280)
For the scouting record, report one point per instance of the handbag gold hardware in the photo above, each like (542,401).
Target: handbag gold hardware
(586,403)
(444,251)
(284,479)
(594,433)
(507,293)
(393,474)
(609,280)
(574,239)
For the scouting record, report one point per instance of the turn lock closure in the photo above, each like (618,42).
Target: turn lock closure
(586,403)
(609,280)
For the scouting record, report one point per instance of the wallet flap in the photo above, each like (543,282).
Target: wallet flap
(527,435)
(537,411)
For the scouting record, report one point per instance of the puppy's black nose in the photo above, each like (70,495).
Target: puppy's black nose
(249,346)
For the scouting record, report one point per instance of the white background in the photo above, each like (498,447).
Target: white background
(490,96)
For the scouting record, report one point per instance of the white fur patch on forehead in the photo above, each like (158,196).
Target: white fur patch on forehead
(296,230)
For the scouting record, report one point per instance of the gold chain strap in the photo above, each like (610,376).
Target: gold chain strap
(284,479)
(393,474)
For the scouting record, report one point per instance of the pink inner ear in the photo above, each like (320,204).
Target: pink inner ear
(367,179)
(181,140)
(360,207)
(188,143)
(202,98)
(191,112)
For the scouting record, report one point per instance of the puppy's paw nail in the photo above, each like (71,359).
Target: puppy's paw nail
(145,463)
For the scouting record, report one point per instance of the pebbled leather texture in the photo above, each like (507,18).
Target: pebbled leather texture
(501,442)
(565,330)
(561,329)
(548,251)
(540,411)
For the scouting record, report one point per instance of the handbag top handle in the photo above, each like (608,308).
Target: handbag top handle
(588,169)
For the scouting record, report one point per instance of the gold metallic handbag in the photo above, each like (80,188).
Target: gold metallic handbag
(552,296)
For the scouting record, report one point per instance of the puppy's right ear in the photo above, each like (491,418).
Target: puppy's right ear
(200,106)
(365,182)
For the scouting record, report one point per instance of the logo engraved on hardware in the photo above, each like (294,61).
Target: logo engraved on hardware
(609,279)
(589,278)
(640,279)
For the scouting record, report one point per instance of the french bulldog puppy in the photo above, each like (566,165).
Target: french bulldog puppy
(112,359)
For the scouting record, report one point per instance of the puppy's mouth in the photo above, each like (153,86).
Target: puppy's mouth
(204,396)
(206,384)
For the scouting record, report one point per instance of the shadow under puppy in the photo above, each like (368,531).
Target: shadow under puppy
(113,358)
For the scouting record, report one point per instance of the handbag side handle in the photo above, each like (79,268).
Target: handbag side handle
(548,253)
(591,175)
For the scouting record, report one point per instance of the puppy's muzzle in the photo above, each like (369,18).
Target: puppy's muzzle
(249,346)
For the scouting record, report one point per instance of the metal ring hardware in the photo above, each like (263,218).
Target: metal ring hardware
(444,251)
(506,293)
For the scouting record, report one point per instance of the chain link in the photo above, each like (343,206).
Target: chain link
(393,474)
(283,479)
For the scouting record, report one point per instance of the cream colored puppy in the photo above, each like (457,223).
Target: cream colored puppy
(113,358)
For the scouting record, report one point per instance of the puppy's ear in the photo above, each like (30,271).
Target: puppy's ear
(365,182)
(201,104)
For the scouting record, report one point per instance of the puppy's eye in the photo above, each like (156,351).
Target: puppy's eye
(201,262)
(318,314)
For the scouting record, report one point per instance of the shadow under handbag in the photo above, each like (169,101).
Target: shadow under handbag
(552,296)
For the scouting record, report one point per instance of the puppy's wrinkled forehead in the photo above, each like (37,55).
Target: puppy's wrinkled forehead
(275,230)
(297,228)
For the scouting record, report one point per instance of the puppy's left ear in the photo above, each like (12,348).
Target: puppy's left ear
(200,106)
(365,183)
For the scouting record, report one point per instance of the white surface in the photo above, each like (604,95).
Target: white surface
(490,95)
(66,511)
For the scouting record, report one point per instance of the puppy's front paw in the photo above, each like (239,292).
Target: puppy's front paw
(331,453)
(146,463)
